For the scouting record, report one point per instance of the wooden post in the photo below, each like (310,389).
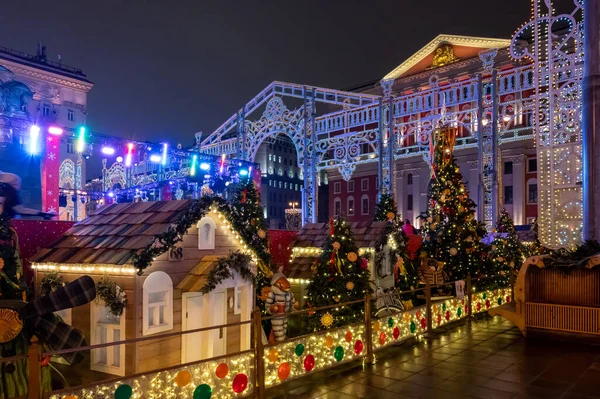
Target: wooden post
(369,331)
(259,356)
(428,307)
(512,286)
(469,297)
(34,366)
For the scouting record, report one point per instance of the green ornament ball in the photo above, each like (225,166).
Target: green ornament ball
(203,391)
(299,350)
(499,301)
(123,392)
(459,311)
(413,327)
(444,306)
(390,322)
(485,295)
(338,354)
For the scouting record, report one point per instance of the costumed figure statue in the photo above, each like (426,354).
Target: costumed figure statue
(10,202)
(280,300)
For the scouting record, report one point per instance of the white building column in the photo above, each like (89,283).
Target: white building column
(400,193)
(416,193)
(473,179)
(519,191)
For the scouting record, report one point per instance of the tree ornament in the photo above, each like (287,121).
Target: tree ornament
(283,371)
(203,391)
(358,347)
(349,285)
(244,195)
(331,227)
(337,298)
(261,233)
(309,363)
(338,354)
(329,341)
(299,350)
(364,263)
(240,382)
(223,369)
(348,336)
(336,246)
(396,333)
(352,257)
(382,338)
(123,392)
(183,378)
(453,251)
(390,216)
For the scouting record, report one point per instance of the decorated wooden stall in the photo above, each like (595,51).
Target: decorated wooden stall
(159,267)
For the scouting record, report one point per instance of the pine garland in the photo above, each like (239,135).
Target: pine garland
(225,266)
(578,258)
(112,294)
(51,281)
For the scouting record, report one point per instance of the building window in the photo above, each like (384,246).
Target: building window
(206,233)
(508,195)
(291,174)
(532,165)
(532,191)
(508,168)
(270,157)
(45,110)
(364,205)
(104,329)
(409,202)
(270,170)
(279,184)
(350,203)
(350,186)
(269,183)
(70,115)
(364,184)
(157,303)
(409,178)
(70,148)
(280,159)
(337,187)
(296,185)
(337,207)
(285,185)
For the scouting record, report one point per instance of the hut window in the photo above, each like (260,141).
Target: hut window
(157,303)
(206,233)
(106,328)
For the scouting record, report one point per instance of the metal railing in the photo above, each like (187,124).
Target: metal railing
(358,340)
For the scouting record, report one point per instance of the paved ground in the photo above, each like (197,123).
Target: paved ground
(487,359)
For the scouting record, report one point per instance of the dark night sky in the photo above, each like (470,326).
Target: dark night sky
(166,69)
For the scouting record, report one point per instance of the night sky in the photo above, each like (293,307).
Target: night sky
(167,69)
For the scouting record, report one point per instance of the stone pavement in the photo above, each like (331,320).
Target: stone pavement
(487,359)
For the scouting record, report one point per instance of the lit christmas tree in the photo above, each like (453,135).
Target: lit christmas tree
(506,251)
(452,235)
(386,208)
(339,275)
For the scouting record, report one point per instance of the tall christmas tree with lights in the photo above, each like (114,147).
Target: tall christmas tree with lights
(506,251)
(452,235)
(339,275)
(385,208)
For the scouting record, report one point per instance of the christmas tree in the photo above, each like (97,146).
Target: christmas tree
(506,251)
(339,275)
(452,235)
(386,208)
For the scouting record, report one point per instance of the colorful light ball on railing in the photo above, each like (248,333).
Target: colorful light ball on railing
(444,306)
(376,326)
(123,392)
(396,333)
(203,391)
(412,327)
(499,301)
(406,317)
(70,397)
(478,307)
(222,370)
(447,315)
(309,363)
(439,318)
(459,311)
(358,347)
(382,338)
(338,354)
(484,295)
(390,322)
(423,323)
(283,371)
(329,341)
(418,314)
(299,350)
(240,382)
(183,378)
(507,299)
(487,304)
(348,336)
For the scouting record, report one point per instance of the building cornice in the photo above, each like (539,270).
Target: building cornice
(47,76)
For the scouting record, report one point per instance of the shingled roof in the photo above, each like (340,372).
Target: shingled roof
(113,234)
(313,235)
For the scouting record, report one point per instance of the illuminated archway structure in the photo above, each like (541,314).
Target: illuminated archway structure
(382,129)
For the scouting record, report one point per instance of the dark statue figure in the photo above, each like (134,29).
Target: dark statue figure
(14,96)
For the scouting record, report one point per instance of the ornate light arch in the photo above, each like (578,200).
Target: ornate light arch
(115,175)
(275,119)
(66,174)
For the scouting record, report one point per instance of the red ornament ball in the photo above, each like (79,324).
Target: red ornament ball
(358,347)
(222,370)
(487,304)
(309,363)
(240,382)
(447,315)
(396,333)
(478,306)
(364,263)
(283,372)
(382,338)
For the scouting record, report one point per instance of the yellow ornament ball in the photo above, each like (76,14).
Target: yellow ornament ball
(273,355)
(329,341)
(376,326)
(390,215)
(349,285)
(261,233)
(352,257)
(183,378)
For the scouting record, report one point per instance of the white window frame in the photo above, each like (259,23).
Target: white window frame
(237,296)
(351,209)
(363,186)
(337,187)
(336,201)
(70,115)
(362,208)
(156,283)
(206,237)
(96,323)
(46,110)
(350,186)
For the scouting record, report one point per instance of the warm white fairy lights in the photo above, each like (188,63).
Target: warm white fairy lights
(84,267)
(235,236)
